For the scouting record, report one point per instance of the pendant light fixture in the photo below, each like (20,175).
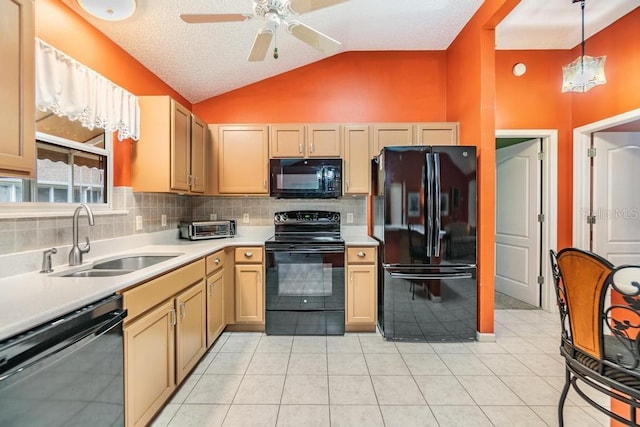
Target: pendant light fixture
(586,71)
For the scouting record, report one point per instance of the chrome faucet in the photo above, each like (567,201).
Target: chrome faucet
(46,260)
(75,255)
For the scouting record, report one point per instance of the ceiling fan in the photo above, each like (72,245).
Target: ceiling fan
(274,13)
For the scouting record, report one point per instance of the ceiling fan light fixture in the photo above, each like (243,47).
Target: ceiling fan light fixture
(109,10)
(585,71)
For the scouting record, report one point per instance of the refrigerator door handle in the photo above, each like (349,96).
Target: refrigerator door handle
(428,205)
(436,161)
(427,276)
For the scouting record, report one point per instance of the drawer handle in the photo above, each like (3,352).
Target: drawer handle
(216,261)
(361,254)
(248,254)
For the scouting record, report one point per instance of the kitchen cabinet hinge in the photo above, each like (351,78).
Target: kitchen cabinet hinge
(541,155)
(591,219)
(540,280)
(591,152)
(540,217)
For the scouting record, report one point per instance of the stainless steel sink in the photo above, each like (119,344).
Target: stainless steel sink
(132,262)
(96,273)
(119,265)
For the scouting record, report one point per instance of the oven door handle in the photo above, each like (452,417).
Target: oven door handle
(87,335)
(297,250)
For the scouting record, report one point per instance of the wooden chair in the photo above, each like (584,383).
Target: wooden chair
(599,307)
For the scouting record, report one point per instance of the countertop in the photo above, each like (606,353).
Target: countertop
(30,299)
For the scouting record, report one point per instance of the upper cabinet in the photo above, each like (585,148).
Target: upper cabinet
(169,157)
(395,134)
(242,154)
(356,159)
(316,140)
(437,133)
(17,82)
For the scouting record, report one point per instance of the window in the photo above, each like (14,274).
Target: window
(72,165)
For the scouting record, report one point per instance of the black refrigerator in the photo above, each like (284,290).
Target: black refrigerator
(424,215)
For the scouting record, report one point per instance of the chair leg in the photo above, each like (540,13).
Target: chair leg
(563,397)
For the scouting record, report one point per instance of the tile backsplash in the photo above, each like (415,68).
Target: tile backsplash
(24,234)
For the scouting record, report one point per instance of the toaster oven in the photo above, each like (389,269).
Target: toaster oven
(200,230)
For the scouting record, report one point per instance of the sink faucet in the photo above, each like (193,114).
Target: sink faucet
(75,255)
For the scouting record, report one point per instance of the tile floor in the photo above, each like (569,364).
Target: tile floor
(250,379)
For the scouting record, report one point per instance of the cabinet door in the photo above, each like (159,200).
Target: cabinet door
(215,306)
(357,161)
(191,340)
(149,365)
(249,293)
(361,294)
(391,135)
(180,146)
(199,132)
(17,107)
(437,134)
(324,141)
(243,159)
(287,141)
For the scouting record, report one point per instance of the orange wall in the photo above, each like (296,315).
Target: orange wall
(64,29)
(620,42)
(534,101)
(350,87)
(471,101)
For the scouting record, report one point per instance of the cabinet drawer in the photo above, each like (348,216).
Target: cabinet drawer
(149,294)
(215,261)
(361,255)
(252,254)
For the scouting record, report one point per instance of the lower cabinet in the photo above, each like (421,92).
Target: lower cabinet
(164,337)
(216,318)
(249,285)
(362,289)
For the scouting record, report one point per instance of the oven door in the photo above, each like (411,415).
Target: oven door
(305,289)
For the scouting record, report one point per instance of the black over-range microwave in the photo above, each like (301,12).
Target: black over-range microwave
(306,178)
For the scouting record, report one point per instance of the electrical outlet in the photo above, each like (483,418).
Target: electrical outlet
(213,217)
(245,218)
(163,220)
(349,217)
(138,222)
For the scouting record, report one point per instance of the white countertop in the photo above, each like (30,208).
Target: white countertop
(30,299)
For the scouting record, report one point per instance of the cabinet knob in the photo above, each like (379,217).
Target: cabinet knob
(361,254)
(248,254)
(216,261)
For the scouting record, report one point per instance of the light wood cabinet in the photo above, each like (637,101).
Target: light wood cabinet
(391,135)
(294,140)
(164,335)
(242,160)
(437,133)
(361,289)
(169,155)
(149,368)
(249,285)
(216,319)
(191,326)
(357,160)
(17,84)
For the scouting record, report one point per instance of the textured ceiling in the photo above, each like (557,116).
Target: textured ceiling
(204,60)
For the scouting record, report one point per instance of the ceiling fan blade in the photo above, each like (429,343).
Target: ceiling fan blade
(303,6)
(313,38)
(260,45)
(204,18)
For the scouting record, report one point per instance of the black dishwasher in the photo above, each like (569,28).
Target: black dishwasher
(66,372)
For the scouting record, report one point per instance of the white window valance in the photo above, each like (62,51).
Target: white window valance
(67,88)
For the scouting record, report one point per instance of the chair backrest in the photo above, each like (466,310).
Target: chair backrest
(583,276)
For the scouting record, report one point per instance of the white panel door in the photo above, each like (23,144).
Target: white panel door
(517,207)
(616,197)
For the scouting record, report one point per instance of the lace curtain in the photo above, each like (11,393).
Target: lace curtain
(67,88)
